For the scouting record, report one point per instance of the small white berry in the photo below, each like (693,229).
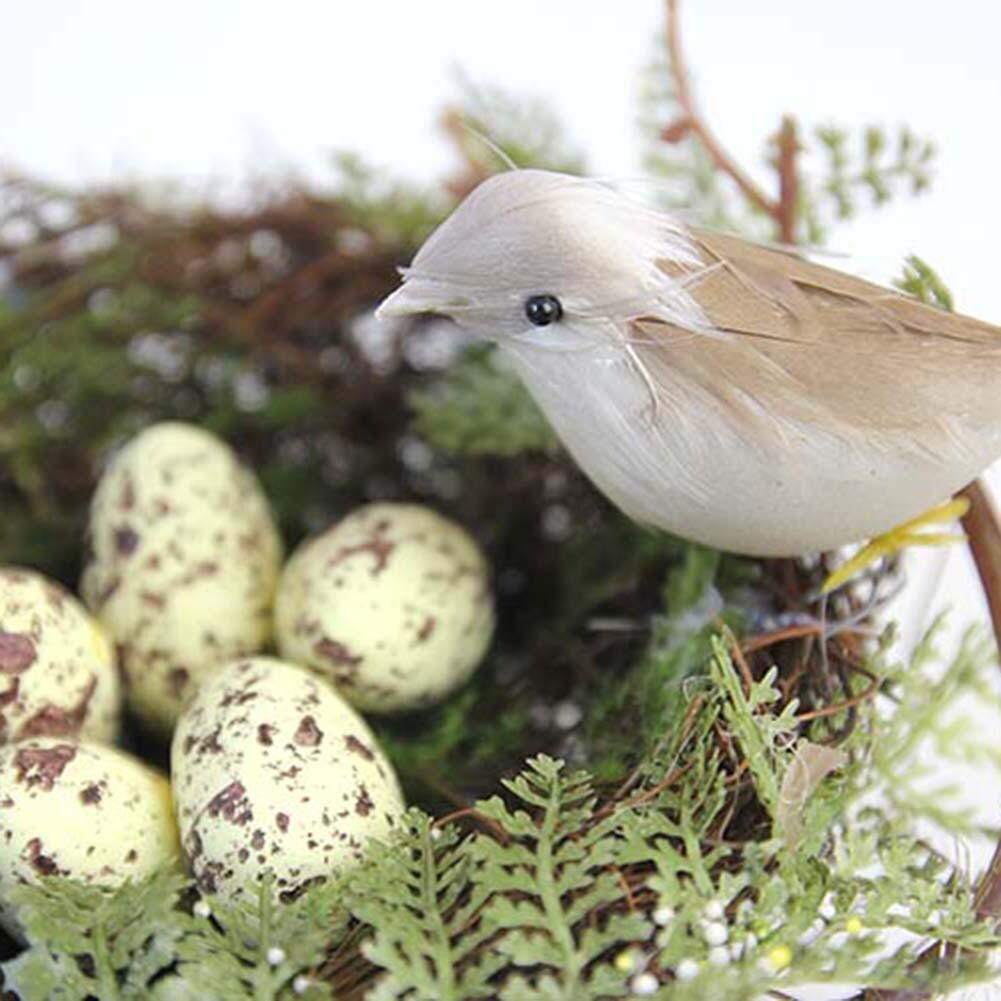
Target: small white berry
(687,969)
(202,909)
(644,984)
(714,910)
(715,933)
(275,955)
(567,714)
(663,916)
(435,833)
(812,933)
(719,955)
(301,984)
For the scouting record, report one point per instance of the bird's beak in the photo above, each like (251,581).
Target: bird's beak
(413,296)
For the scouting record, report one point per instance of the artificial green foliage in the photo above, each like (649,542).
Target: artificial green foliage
(386,206)
(875,162)
(758,727)
(89,942)
(935,726)
(584,895)
(262,949)
(141,941)
(426,935)
(681,173)
(482,409)
(835,169)
(494,128)
(923,282)
(646,703)
(555,869)
(556,892)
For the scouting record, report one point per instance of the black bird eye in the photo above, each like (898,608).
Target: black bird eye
(542,310)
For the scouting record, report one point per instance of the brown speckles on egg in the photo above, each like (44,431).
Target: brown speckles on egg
(356,746)
(265,734)
(426,629)
(35,856)
(307,732)
(127,494)
(41,766)
(153,599)
(238,697)
(126,540)
(363,804)
(59,721)
(377,546)
(231,804)
(336,653)
(282,820)
(17,652)
(90,794)
(209,743)
(208,874)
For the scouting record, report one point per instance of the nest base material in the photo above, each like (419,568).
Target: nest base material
(255,325)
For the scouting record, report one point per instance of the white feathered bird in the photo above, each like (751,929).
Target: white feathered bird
(733,394)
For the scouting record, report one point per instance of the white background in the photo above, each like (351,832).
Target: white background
(222,93)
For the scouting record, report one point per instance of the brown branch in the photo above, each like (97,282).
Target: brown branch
(488,822)
(983,532)
(788,147)
(784,210)
(838,707)
(780,636)
(741,661)
(984,538)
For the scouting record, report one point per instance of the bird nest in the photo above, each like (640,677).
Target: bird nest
(118,311)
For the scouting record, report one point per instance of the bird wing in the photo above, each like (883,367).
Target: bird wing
(805,345)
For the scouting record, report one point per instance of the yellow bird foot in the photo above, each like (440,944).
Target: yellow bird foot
(908,534)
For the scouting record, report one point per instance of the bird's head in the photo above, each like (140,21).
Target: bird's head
(545,259)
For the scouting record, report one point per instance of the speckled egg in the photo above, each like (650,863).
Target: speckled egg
(392,604)
(273,770)
(57,671)
(184,557)
(81,810)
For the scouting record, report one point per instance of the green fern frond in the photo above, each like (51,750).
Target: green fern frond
(415,894)
(87,941)
(559,873)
